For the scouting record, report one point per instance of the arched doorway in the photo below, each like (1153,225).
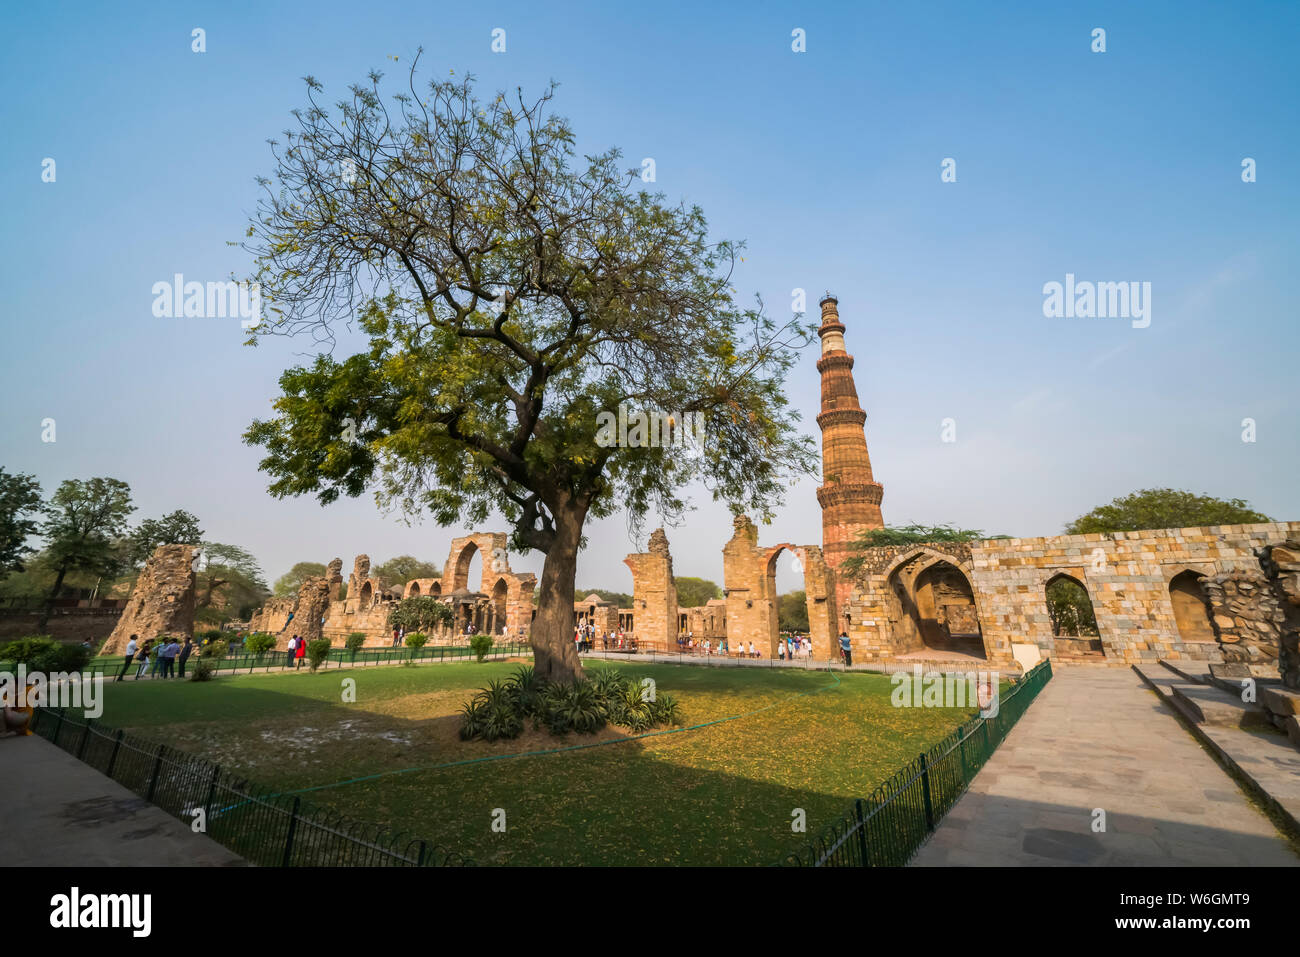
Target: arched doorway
(499,606)
(1074,622)
(934,608)
(415,590)
(1191,610)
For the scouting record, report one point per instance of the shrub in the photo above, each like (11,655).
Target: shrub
(529,690)
(417,640)
(212,633)
(259,643)
(664,709)
(215,649)
(491,714)
(481,645)
(204,669)
(353,642)
(318,649)
(42,653)
(573,707)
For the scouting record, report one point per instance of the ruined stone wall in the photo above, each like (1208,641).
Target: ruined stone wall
(654,594)
(162,601)
(1127,576)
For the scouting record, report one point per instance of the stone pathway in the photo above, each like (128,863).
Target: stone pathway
(1098,738)
(58,812)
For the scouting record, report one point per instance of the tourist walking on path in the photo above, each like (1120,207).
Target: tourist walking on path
(130,653)
(291,651)
(184,655)
(846,648)
(302,651)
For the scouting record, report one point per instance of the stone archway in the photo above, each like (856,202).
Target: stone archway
(933,607)
(1191,608)
(1072,616)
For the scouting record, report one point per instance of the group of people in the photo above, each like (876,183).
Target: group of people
(167,654)
(296,653)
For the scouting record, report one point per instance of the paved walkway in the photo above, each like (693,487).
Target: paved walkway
(58,812)
(1098,738)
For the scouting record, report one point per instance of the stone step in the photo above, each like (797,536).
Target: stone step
(1186,673)
(1206,705)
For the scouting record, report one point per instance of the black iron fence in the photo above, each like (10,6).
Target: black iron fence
(887,828)
(260,825)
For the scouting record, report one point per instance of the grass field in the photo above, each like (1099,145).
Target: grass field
(722,794)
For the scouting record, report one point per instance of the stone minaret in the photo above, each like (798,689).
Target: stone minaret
(849,496)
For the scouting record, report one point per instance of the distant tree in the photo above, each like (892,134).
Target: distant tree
(419,614)
(617,598)
(84,528)
(175,528)
(20,507)
(913,534)
(692,592)
(231,573)
(288,584)
(792,611)
(1164,508)
(404,568)
(1070,609)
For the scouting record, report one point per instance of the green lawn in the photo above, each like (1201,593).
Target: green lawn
(722,794)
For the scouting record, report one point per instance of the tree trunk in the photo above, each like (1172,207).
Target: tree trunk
(555,657)
(49,602)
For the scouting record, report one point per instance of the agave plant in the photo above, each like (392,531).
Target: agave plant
(473,718)
(528,689)
(574,707)
(632,710)
(502,721)
(664,710)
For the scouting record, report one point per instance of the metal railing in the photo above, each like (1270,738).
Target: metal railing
(887,828)
(266,828)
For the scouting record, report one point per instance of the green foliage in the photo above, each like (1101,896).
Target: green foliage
(204,669)
(526,290)
(422,613)
(1069,608)
(693,592)
(792,611)
(233,575)
(42,653)
(417,640)
(481,644)
(1164,508)
(215,649)
(83,529)
(288,584)
(354,642)
(616,598)
(20,505)
(404,568)
(318,649)
(582,707)
(176,528)
(259,643)
(913,534)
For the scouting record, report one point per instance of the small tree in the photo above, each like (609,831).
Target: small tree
(481,645)
(1164,508)
(420,613)
(353,643)
(416,641)
(259,643)
(913,534)
(84,527)
(318,649)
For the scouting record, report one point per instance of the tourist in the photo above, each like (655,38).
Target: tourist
(287,622)
(130,653)
(780,648)
(301,654)
(291,652)
(157,657)
(752,652)
(167,655)
(846,649)
(184,655)
(144,660)
(396,637)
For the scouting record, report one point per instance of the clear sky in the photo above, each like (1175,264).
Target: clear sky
(1117,166)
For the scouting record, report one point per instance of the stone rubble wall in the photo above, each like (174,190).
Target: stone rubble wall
(162,601)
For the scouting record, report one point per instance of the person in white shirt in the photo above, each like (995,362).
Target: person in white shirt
(130,654)
(751,650)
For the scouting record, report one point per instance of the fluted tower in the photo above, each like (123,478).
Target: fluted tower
(849,495)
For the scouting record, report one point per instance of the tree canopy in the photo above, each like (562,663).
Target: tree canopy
(1164,508)
(175,528)
(913,534)
(288,584)
(404,568)
(511,296)
(692,592)
(21,506)
(84,525)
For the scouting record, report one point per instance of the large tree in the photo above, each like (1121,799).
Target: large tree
(175,528)
(84,530)
(404,568)
(228,577)
(692,592)
(1164,508)
(513,296)
(288,584)
(20,507)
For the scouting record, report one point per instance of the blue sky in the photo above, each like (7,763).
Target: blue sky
(1115,166)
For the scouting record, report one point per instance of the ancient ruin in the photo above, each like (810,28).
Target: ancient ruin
(162,601)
